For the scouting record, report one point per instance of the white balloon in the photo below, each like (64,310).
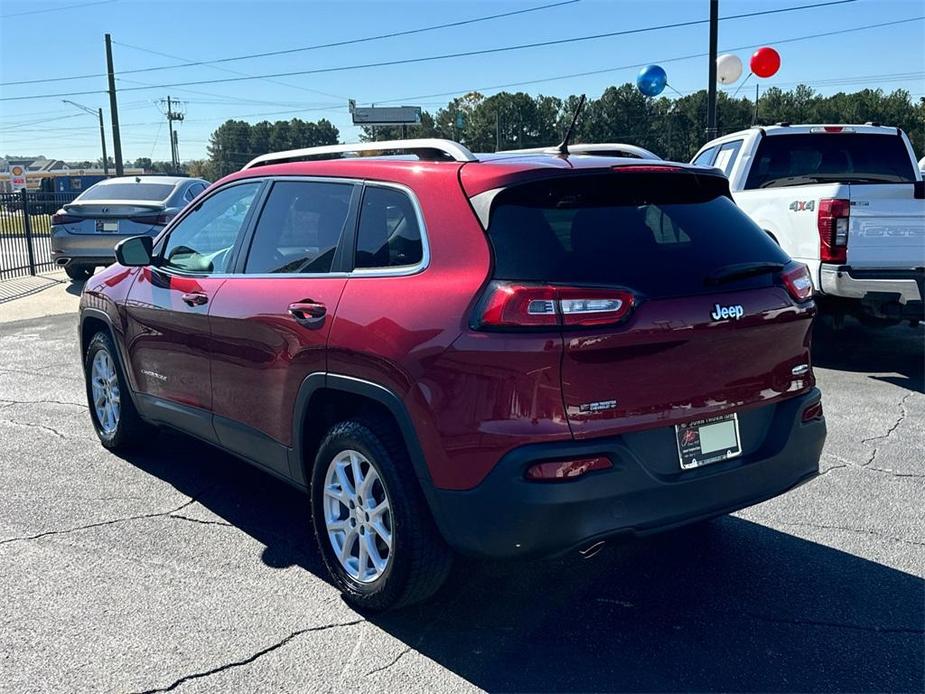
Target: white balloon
(728,68)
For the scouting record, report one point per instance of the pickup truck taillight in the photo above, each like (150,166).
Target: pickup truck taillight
(512,305)
(833,230)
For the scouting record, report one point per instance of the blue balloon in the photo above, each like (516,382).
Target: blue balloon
(651,80)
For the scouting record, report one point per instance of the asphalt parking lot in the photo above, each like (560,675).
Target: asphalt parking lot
(182,569)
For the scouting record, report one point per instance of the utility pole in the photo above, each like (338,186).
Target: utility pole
(173,115)
(711,88)
(497,131)
(98,112)
(114,109)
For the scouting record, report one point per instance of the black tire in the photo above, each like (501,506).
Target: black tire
(130,431)
(79,273)
(420,560)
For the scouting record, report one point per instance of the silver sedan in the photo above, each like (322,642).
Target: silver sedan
(84,232)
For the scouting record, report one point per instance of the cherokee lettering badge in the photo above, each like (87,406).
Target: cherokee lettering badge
(721,312)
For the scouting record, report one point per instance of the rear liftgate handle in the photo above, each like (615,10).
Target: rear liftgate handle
(308,313)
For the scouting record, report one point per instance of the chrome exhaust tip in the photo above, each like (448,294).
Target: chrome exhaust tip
(62,261)
(592,549)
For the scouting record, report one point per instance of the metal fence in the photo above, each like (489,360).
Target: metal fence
(25,231)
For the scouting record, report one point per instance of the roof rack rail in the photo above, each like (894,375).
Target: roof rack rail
(425,147)
(600,148)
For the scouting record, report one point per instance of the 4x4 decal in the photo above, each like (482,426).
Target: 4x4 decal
(802,206)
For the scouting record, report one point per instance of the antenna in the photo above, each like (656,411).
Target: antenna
(563,147)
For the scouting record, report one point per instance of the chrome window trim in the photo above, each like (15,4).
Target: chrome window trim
(396,271)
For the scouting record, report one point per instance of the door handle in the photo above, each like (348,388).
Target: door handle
(195,298)
(307,312)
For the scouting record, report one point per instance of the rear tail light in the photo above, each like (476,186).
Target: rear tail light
(812,412)
(157,220)
(798,282)
(566,469)
(833,230)
(515,305)
(60,217)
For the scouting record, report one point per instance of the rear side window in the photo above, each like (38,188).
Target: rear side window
(705,158)
(129,191)
(658,234)
(299,228)
(389,234)
(785,160)
(726,156)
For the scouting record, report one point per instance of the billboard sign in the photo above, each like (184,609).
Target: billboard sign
(386,115)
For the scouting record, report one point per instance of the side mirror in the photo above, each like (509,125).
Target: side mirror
(135,251)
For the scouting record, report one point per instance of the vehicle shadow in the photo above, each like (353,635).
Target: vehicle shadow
(895,354)
(732,605)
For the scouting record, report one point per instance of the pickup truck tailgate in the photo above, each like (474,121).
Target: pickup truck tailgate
(886,226)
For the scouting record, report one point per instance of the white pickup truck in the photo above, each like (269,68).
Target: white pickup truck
(846,200)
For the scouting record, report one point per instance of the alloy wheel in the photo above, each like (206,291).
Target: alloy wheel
(357,516)
(104,384)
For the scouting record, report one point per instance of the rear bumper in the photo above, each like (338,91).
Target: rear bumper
(507,516)
(86,249)
(874,285)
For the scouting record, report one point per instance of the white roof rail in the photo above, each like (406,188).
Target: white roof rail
(453,150)
(603,149)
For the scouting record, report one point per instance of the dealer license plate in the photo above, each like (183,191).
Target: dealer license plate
(107,226)
(706,441)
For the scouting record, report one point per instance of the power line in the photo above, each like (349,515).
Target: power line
(56,9)
(446,56)
(691,56)
(346,42)
(233,72)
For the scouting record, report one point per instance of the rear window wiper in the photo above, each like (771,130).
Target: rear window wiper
(740,270)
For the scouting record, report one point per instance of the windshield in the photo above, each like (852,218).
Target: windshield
(659,234)
(798,159)
(128,191)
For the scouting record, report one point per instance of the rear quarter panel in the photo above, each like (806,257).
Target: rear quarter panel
(403,333)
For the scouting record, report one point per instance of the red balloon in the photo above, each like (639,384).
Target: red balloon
(765,61)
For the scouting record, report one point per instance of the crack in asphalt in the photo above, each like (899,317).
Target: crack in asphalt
(903,413)
(859,531)
(251,658)
(40,426)
(845,463)
(401,655)
(201,521)
(41,375)
(8,402)
(99,524)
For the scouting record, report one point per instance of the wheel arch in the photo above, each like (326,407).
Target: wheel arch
(92,320)
(325,398)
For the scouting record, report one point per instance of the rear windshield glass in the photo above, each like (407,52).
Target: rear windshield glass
(784,160)
(660,234)
(128,191)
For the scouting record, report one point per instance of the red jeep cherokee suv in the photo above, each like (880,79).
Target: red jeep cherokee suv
(507,355)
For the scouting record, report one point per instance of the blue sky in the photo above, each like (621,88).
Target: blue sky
(40,40)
